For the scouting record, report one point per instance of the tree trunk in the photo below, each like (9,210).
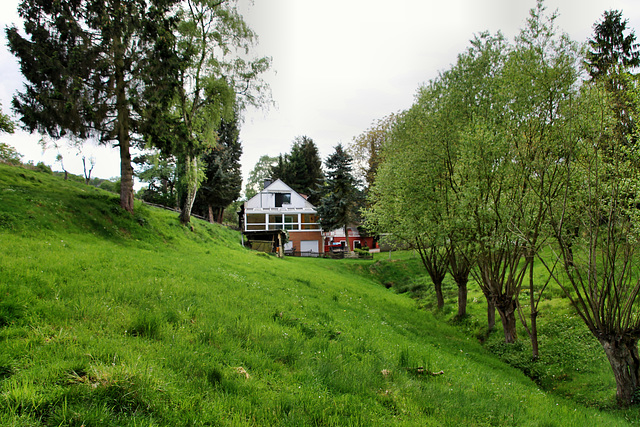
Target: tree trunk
(122,128)
(210,216)
(460,268)
(507,311)
(491,315)
(439,297)
(346,236)
(191,172)
(622,353)
(534,314)
(220,215)
(126,176)
(462,300)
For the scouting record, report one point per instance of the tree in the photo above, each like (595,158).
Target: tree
(610,50)
(214,82)
(6,125)
(90,68)
(160,172)
(223,178)
(487,188)
(610,59)
(8,154)
(260,172)
(541,75)
(406,198)
(601,269)
(301,169)
(365,148)
(339,198)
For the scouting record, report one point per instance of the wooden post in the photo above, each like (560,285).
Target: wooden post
(280,254)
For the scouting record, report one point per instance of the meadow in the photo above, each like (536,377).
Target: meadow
(112,319)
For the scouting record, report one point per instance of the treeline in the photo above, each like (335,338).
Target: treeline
(525,152)
(171,76)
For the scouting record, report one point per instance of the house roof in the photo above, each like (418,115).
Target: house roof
(260,202)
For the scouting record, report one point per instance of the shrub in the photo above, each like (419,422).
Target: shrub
(41,167)
(9,154)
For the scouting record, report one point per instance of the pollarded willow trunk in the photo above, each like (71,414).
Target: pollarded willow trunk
(534,312)
(507,310)
(460,268)
(622,353)
(462,300)
(439,296)
(491,315)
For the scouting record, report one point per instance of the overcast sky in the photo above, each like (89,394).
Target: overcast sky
(338,65)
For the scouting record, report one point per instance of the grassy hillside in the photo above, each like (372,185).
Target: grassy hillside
(109,319)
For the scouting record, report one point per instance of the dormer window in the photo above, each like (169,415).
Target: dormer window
(283,199)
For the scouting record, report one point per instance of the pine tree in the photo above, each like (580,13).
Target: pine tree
(223,177)
(610,59)
(301,169)
(340,199)
(611,51)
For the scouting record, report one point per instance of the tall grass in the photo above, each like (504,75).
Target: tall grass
(109,319)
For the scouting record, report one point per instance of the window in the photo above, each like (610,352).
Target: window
(256,222)
(283,199)
(275,222)
(310,222)
(291,222)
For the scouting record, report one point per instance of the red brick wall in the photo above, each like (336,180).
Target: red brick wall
(297,236)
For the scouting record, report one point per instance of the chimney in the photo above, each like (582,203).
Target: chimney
(267,182)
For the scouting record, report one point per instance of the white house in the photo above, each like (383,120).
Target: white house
(278,207)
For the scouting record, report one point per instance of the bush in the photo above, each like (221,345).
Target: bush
(41,167)
(108,186)
(9,154)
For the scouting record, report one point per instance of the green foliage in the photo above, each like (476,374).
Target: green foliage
(257,176)
(223,177)
(9,155)
(6,125)
(41,167)
(301,169)
(159,172)
(611,50)
(340,199)
(214,82)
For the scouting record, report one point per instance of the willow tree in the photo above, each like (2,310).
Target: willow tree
(93,69)
(489,188)
(409,195)
(601,274)
(541,75)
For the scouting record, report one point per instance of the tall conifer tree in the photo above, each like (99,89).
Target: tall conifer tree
(92,69)
(340,199)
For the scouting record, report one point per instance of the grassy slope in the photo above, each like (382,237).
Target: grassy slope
(571,364)
(113,319)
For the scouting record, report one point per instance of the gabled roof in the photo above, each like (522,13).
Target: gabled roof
(298,202)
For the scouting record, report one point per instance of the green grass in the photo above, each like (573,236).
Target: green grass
(112,319)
